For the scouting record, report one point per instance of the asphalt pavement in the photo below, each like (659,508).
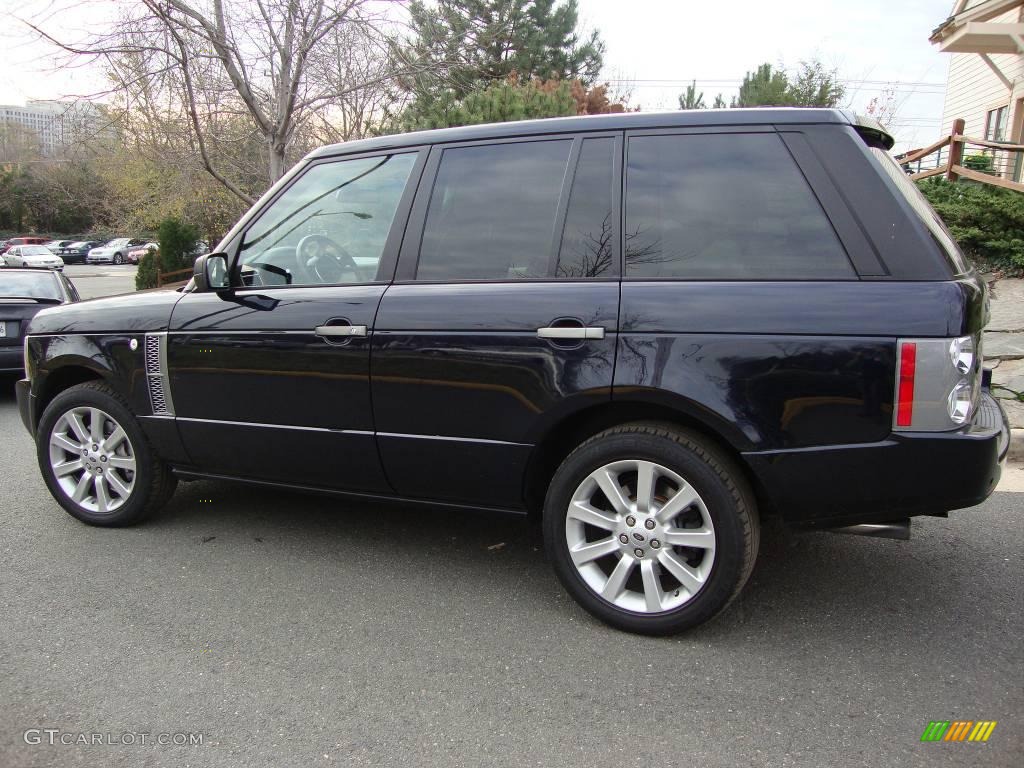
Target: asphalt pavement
(283,629)
(289,630)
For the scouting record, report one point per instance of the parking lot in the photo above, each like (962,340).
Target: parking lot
(296,630)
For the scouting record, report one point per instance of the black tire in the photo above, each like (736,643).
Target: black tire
(729,503)
(153,481)
(118,258)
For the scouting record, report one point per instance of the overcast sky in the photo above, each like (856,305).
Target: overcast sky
(658,45)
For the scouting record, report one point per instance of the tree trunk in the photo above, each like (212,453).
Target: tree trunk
(277,164)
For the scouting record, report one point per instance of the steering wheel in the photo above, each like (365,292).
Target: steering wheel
(321,260)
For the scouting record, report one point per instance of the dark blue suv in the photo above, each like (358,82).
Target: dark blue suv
(652,329)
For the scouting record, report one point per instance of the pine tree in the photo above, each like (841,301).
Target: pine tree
(467,44)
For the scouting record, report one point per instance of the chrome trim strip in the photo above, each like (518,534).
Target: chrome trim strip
(239,333)
(275,426)
(351,431)
(455,439)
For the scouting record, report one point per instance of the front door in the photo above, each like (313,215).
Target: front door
(503,318)
(270,380)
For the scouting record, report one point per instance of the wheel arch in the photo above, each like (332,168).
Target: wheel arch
(563,436)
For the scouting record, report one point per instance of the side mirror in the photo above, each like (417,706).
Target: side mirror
(211,272)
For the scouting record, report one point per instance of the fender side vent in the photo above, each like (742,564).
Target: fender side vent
(156,374)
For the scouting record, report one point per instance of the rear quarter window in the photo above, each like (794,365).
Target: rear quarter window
(725,206)
(920,205)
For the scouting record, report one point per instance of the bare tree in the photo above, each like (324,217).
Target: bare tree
(234,71)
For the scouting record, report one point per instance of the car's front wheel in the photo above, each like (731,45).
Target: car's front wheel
(118,258)
(651,528)
(96,460)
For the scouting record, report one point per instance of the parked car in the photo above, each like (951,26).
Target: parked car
(23,292)
(56,246)
(28,240)
(135,254)
(653,330)
(114,251)
(76,253)
(32,256)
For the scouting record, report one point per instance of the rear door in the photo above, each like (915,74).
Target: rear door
(503,316)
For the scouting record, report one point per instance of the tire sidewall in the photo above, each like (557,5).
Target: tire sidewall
(85,396)
(730,540)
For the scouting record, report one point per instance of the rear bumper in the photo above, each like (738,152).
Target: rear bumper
(26,405)
(907,474)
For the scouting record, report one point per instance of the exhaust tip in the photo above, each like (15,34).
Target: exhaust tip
(894,529)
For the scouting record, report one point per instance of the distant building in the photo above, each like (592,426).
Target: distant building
(57,124)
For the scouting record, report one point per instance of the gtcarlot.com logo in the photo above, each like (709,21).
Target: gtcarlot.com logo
(58,737)
(958,730)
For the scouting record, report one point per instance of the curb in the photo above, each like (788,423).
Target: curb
(1016,452)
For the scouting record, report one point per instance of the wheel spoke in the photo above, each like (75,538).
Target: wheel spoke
(609,485)
(645,481)
(121,462)
(96,425)
(652,588)
(701,538)
(617,581)
(102,494)
(82,488)
(65,443)
(687,576)
(117,486)
(584,553)
(585,513)
(68,467)
(115,439)
(683,498)
(78,427)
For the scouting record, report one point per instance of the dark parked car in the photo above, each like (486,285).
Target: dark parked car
(23,292)
(76,252)
(653,329)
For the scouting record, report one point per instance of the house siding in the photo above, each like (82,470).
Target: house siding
(973,88)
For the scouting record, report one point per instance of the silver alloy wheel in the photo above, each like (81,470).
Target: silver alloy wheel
(92,459)
(640,536)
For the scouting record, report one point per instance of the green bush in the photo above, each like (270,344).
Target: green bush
(979,161)
(177,242)
(987,221)
(145,275)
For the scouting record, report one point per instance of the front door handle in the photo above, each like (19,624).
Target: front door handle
(341,330)
(570,332)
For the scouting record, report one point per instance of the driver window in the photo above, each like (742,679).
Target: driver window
(329,226)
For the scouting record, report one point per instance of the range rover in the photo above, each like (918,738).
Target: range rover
(652,330)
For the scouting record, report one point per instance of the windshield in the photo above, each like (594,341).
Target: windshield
(35,250)
(41,285)
(942,236)
(116,243)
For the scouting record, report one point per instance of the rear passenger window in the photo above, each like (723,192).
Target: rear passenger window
(588,238)
(724,206)
(492,212)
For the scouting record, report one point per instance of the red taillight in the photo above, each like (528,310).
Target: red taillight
(905,396)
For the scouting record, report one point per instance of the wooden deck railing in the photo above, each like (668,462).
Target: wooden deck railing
(170,278)
(988,162)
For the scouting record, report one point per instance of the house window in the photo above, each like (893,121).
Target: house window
(995,124)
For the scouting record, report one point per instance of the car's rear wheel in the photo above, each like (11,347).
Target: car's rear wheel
(118,258)
(96,460)
(651,528)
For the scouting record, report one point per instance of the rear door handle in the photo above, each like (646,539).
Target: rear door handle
(570,332)
(341,330)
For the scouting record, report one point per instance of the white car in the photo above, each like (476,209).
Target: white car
(113,252)
(32,256)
